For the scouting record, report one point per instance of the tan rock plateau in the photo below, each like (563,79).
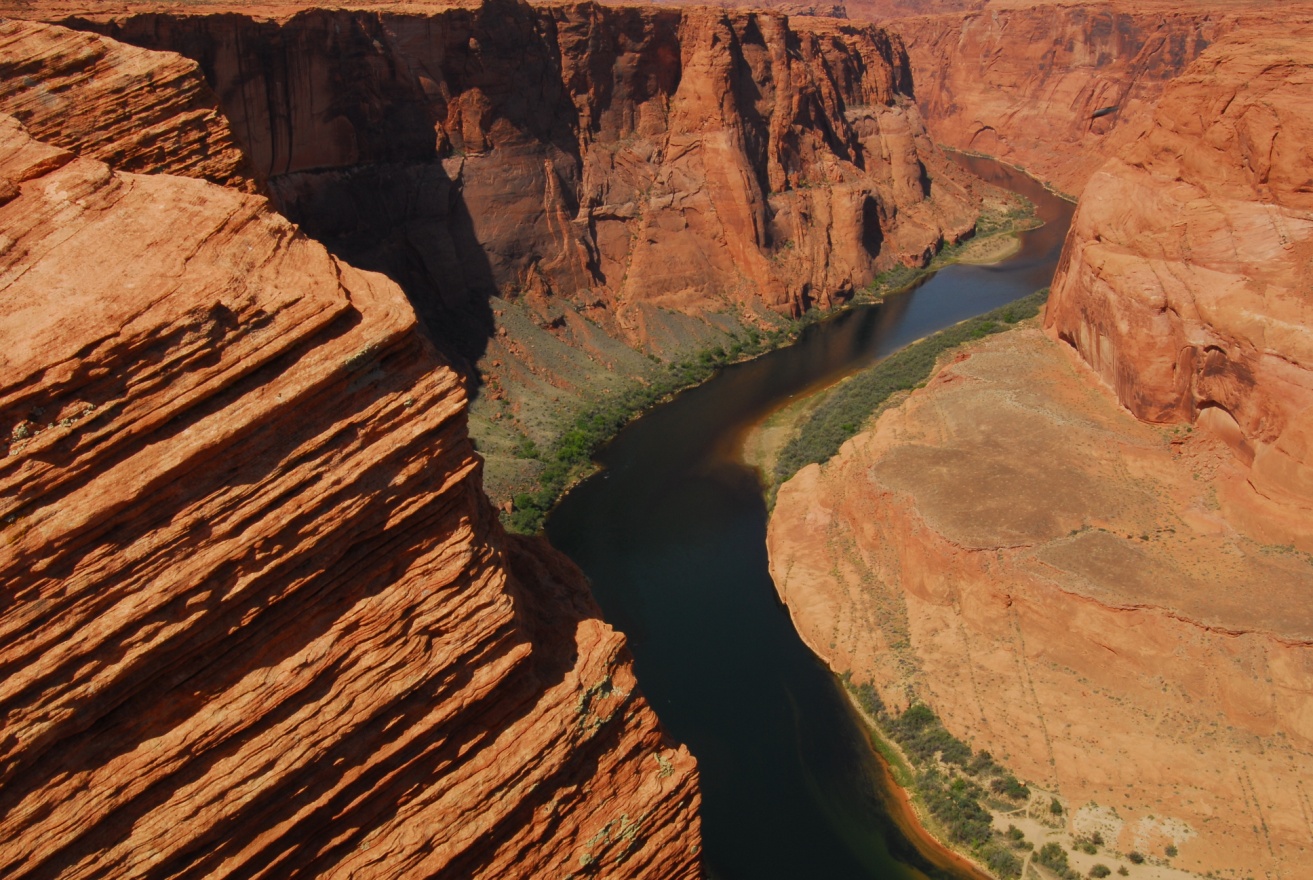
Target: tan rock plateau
(257,617)
(1061,583)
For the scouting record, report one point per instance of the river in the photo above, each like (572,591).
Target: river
(672,535)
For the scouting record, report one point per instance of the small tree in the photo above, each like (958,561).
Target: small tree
(1171,850)
(1055,808)
(1052,856)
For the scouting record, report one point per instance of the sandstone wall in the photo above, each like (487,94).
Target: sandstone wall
(1186,275)
(257,617)
(1026,84)
(626,159)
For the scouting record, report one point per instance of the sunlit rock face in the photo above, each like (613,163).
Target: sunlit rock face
(257,616)
(1186,276)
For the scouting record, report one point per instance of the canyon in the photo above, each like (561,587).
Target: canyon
(1086,545)
(291,291)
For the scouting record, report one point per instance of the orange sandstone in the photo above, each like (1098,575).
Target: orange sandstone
(257,616)
(1185,280)
(1059,87)
(1059,582)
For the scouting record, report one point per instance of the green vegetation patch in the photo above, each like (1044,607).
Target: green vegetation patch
(847,406)
(947,778)
(570,456)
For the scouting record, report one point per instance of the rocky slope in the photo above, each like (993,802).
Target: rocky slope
(1058,88)
(258,617)
(1186,277)
(1089,551)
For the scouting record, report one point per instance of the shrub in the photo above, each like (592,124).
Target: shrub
(1015,833)
(1009,786)
(1055,808)
(1136,858)
(983,763)
(1171,851)
(921,735)
(1003,863)
(1100,871)
(1052,856)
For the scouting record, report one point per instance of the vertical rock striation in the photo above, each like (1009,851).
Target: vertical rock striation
(257,617)
(623,160)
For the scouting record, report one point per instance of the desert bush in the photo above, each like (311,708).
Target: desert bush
(1052,856)
(1010,787)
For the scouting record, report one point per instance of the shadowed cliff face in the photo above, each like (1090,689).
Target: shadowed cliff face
(257,616)
(623,161)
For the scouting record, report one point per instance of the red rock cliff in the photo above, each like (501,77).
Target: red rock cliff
(257,616)
(626,159)
(1060,87)
(1186,276)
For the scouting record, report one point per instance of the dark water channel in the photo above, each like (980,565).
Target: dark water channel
(672,535)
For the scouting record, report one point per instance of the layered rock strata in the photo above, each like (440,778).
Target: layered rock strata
(1058,88)
(1060,583)
(1186,276)
(257,616)
(137,110)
